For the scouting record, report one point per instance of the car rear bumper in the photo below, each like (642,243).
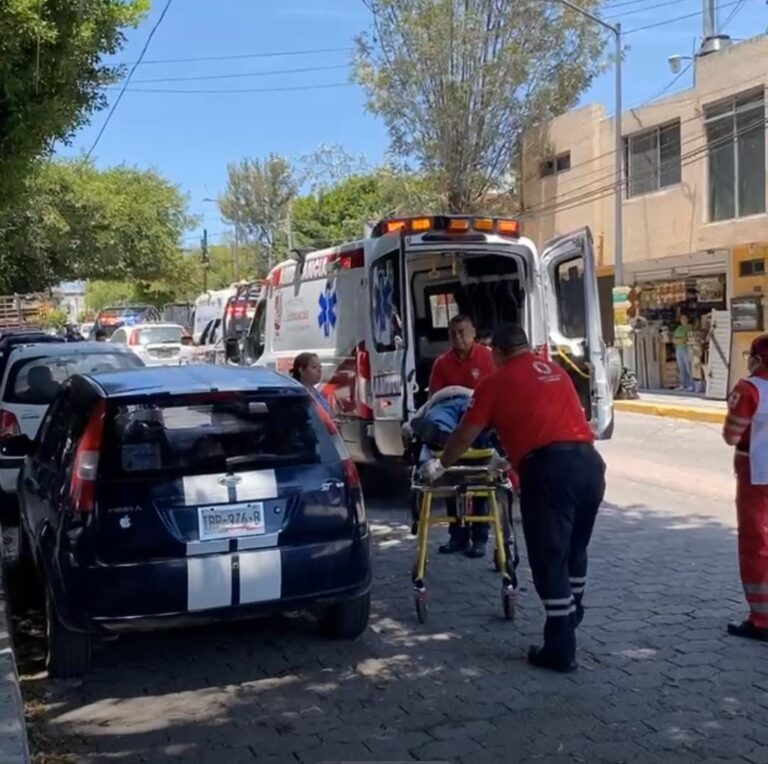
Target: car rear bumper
(175,592)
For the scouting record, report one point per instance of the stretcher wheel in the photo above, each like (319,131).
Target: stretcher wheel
(508,602)
(421,607)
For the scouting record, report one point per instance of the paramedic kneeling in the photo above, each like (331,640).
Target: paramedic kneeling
(535,410)
(465,364)
(746,427)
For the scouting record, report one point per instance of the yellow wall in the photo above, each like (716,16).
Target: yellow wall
(746,286)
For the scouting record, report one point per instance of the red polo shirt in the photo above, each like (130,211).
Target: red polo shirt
(531,403)
(449,369)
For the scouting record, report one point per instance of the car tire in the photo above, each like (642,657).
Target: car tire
(346,620)
(69,652)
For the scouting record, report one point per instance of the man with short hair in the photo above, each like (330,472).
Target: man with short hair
(465,364)
(535,410)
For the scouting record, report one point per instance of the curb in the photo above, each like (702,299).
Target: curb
(672,411)
(14,746)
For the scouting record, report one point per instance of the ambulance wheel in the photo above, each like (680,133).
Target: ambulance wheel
(508,603)
(421,608)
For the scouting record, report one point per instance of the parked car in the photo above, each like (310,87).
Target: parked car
(32,377)
(11,340)
(183,494)
(156,344)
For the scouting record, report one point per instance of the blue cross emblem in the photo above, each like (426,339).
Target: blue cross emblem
(382,303)
(326,318)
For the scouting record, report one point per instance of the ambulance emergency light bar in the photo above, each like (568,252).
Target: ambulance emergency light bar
(448,224)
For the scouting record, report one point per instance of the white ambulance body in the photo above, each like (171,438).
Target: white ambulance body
(376,312)
(209,306)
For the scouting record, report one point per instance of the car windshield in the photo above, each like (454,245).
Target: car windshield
(215,433)
(36,381)
(157,335)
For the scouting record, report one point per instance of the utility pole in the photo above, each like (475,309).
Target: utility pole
(615,29)
(205,258)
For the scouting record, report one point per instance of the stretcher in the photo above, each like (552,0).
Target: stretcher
(479,474)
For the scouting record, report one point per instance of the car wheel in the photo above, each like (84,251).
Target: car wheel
(346,620)
(69,652)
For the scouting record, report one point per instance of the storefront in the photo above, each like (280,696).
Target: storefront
(696,287)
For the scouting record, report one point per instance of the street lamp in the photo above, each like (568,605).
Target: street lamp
(615,29)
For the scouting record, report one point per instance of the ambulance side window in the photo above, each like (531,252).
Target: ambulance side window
(386,303)
(571,307)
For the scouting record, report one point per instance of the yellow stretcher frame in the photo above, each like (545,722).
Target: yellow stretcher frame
(482,482)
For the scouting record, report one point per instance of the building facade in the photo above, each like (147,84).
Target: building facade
(695,231)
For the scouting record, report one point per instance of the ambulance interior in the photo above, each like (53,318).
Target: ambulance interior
(486,287)
(490,289)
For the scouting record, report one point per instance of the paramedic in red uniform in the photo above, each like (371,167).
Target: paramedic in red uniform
(746,427)
(535,410)
(465,363)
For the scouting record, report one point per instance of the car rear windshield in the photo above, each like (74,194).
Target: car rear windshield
(215,433)
(36,381)
(158,335)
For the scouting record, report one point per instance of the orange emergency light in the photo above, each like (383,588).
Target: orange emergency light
(448,224)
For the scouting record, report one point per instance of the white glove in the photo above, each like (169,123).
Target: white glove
(432,470)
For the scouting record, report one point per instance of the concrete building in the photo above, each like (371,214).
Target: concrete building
(694,189)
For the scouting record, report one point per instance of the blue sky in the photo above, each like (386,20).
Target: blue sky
(190,137)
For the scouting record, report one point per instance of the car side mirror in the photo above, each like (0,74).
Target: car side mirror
(232,349)
(17,446)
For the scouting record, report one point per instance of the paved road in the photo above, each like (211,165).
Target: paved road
(659,679)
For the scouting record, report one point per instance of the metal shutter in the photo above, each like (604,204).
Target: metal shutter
(719,355)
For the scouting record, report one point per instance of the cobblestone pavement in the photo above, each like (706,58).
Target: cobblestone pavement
(659,679)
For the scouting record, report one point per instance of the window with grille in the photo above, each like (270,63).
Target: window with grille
(652,159)
(736,153)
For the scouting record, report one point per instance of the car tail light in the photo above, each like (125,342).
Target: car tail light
(82,489)
(363,382)
(9,424)
(133,340)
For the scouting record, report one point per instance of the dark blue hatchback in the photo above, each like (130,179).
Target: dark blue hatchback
(165,496)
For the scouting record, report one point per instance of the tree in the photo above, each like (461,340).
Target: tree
(457,82)
(257,201)
(51,73)
(73,221)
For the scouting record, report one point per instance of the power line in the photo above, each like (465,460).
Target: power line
(236,56)
(673,81)
(677,18)
(128,78)
(243,90)
(644,9)
(734,13)
(237,75)
(612,5)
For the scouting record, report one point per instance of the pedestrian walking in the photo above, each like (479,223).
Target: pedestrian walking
(535,409)
(746,427)
(465,364)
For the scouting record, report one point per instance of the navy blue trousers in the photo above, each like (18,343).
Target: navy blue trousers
(561,489)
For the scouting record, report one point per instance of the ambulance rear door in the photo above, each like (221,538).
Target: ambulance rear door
(388,339)
(572,315)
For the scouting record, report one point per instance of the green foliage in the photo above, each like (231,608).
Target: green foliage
(51,73)
(73,221)
(257,201)
(53,318)
(458,81)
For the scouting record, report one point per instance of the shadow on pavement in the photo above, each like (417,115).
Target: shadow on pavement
(659,678)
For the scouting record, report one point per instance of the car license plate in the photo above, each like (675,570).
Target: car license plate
(231,521)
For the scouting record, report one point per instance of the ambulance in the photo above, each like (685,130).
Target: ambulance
(376,312)
(209,307)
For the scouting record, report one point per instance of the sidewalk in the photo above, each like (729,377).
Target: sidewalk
(676,406)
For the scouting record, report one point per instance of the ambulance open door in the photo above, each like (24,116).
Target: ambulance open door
(387,340)
(572,308)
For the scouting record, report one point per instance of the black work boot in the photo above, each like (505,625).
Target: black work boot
(453,546)
(748,630)
(477,550)
(541,658)
(578,616)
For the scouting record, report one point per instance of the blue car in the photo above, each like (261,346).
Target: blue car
(173,495)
